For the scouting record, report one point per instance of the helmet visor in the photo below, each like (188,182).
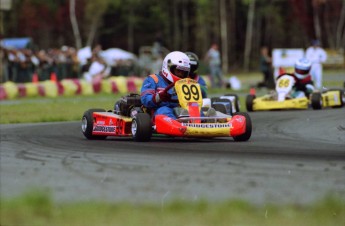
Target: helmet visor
(180,71)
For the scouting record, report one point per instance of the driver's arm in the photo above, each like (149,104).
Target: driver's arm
(148,91)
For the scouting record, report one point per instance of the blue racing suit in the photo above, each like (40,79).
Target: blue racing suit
(153,84)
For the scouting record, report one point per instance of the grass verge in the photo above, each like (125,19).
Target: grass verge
(37,208)
(53,109)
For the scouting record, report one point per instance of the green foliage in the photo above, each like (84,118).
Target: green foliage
(277,23)
(96,8)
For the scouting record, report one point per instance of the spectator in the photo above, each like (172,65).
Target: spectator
(97,50)
(45,66)
(75,62)
(98,70)
(4,73)
(266,69)
(25,69)
(317,56)
(13,64)
(157,63)
(20,65)
(214,62)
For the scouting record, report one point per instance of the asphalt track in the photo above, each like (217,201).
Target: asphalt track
(292,157)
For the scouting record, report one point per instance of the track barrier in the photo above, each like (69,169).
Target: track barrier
(71,87)
(68,87)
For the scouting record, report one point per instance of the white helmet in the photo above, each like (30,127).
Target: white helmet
(175,66)
(302,68)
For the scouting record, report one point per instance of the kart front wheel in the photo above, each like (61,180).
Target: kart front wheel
(247,134)
(87,124)
(316,101)
(250,102)
(141,127)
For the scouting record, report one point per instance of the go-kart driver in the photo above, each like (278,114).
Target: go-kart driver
(193,74)
(304,84)
(175,66)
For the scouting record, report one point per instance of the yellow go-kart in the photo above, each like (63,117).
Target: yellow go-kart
(333,98)
(280,98)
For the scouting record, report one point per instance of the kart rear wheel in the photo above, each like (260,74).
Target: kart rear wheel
(247,134)
(141,127)
(249,102)
(87,124)
(236,102)
(316,101)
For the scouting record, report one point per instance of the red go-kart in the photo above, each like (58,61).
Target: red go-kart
(130,118)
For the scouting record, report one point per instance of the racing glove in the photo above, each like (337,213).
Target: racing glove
(161,96)
(310,88)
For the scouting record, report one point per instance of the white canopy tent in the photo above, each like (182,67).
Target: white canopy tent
(114,54)
(110,56)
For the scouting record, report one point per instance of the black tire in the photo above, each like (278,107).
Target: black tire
(87,124)
(237,101)
(248,132)
(316,101)
(141,127)
(249,102)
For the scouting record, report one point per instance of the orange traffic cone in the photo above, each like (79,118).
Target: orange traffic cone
(281,70)
(53,77)
(252,91)
(35,78)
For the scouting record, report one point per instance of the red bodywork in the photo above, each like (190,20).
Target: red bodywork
(110,124)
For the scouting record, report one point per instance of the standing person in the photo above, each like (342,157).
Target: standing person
(214,62)
(193,74)
(317,56)
(266,69)
(153,94)
(98,70)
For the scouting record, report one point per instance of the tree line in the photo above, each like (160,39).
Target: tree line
(240,27)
